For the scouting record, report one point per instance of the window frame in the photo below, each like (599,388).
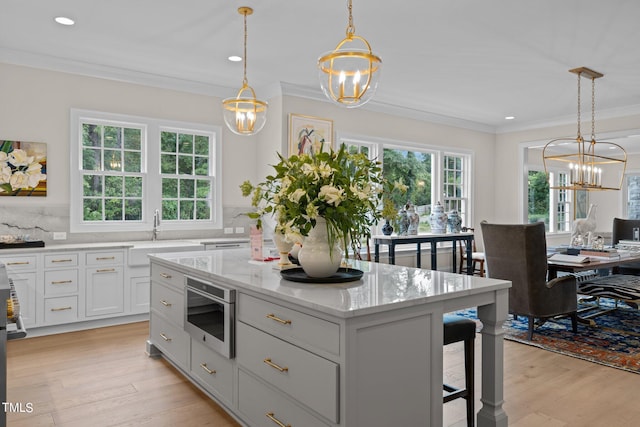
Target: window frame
(376,146)
(150,171)
(554,201)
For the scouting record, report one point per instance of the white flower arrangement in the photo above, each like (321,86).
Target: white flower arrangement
(343,188)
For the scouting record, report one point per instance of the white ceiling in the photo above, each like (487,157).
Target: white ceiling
(471,60)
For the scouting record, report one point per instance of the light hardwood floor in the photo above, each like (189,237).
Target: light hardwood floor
(102,377)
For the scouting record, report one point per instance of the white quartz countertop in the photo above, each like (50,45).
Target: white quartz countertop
(123,245)
(383,287)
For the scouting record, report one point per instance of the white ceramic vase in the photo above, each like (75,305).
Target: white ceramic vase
(315,256)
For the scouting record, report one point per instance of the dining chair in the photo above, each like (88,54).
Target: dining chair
(477,258)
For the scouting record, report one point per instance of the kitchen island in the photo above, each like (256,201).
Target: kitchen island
(364,353)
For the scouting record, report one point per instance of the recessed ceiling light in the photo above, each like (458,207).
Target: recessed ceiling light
(63,20)
(235,58)
(509,117)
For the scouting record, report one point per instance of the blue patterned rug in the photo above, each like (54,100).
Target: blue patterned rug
(613,341)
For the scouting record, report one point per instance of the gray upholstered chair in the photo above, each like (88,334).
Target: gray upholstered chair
(623,230)
(518,252)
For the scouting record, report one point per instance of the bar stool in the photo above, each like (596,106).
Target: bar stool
(456,329)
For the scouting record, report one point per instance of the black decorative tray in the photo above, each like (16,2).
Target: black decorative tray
(22,244)
(341,276)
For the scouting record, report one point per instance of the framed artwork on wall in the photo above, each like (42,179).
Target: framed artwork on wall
(23,168)
(308,135)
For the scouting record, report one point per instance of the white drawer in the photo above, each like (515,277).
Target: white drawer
(58,282)
(160,273)
(258,402)
(105,258)
(172,340)
(168,302)
(19,263)
(214,372)
(311,379)
(289,325)
(60,310)
(61,260)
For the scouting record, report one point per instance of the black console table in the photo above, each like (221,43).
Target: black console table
(433,239)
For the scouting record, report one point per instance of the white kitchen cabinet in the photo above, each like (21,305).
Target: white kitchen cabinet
(61,288)
(104,283)
(166,330)
(214,372)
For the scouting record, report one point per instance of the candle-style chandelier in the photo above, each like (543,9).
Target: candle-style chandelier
(589,165)
(245,114)
(349,77)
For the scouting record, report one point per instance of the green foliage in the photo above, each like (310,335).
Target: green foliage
(344,188)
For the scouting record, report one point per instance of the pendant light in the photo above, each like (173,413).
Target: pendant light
(245,114)
(349,77)
(587,165)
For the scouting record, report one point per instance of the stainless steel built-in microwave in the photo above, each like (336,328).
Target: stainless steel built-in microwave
(209,315)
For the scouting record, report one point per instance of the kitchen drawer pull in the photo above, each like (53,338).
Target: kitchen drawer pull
(165,275)
(274,366)
(166,304)
(61,282)
(277,319)
(61,260)
(105,270)
(207,370)
(272,417)
(61,308)
(166,338)
(104,258)
(18,263)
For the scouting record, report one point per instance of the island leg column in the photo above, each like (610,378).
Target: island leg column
(493,316)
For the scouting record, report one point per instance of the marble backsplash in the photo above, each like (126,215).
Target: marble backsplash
(39,223)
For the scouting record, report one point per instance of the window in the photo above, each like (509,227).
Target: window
(553,207)
(124,168)
(431,175)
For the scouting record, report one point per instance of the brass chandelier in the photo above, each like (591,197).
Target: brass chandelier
(589,165)
(245,114)
(349,77)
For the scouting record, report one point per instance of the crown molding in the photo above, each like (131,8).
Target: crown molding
(63,65)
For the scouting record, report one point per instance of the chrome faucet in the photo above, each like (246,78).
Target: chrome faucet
(156,223)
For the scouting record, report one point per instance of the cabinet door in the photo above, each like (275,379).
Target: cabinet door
(105,291)
(140,290)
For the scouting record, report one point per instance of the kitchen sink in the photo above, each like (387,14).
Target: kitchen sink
(138,254)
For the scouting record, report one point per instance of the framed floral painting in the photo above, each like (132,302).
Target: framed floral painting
(308,135)
(23,168)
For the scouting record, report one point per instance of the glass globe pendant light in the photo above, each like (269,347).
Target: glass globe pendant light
(245,114)
(349,77)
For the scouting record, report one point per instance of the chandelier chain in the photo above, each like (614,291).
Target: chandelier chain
(593,109)
(351,29)
(244,80)
(579,102)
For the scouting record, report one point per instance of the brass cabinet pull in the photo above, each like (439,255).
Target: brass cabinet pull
(166,338)
(61,309)
(103,258)
(207,370)
(272,417)
(273,365)
(61,260)
(166,304)
(105,270)
(277,319)
(18,263)
(165,275)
